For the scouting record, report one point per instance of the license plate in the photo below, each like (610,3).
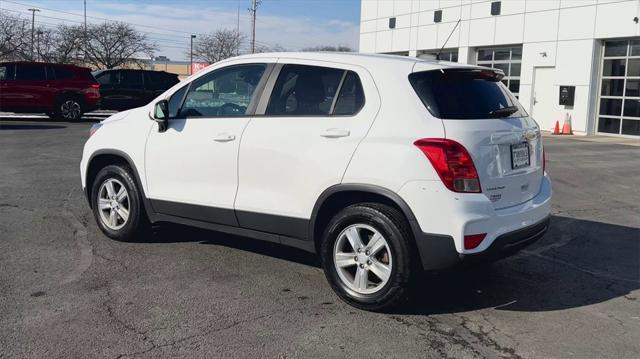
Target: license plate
(520,155)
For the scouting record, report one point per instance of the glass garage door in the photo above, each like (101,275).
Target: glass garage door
(507,59)
(619,111)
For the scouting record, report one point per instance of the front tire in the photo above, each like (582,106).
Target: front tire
(117,204)
(366,256)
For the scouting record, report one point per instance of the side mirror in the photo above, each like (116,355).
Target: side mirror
(161,114)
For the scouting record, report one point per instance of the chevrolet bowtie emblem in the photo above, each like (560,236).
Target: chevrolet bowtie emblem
(529,135)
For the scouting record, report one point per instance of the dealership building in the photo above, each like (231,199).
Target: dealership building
(576,57)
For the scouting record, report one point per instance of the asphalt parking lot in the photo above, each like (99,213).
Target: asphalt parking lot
(68,291)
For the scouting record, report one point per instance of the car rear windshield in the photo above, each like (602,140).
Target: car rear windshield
(465,94)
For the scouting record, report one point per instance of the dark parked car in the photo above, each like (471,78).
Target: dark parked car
(125,89)
(61,91)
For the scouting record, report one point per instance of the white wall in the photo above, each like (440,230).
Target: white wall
(568,32)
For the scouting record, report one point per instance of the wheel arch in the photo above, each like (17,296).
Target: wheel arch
(340,196)
(105,157)
(69,94)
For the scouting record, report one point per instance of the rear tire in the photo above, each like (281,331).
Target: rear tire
(117,204)
(384,258)
(68,108)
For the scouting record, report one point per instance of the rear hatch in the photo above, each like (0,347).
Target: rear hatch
(479,112)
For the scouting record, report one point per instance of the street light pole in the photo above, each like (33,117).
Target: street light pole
(38,34)
(33,28)
(191,55)
(85,33)
(254,7)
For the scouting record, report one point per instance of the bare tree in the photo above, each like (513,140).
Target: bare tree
(339,48)
(115,44)
(15,40)
(265,48)
(63,44)
(218,45)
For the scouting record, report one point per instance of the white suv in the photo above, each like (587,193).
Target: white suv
(382,165)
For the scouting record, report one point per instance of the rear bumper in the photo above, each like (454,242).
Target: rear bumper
(509,243)
(439,252)
(452,216)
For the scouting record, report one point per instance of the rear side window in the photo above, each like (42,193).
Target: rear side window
(30,72)
(7,72)
(465,94)
(159,80)
(304,91)
(351,97)
(131,78)
(107,78)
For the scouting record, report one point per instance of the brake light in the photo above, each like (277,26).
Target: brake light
(95,86)
(452,162)
(473,240)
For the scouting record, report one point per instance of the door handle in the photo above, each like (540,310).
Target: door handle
(335,133)
(224,137)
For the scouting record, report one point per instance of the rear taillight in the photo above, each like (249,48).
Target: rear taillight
(452,162)
(95,86)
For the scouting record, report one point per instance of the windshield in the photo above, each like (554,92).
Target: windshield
(465,94)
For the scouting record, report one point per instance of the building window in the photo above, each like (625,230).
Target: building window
(619,104)
(392,23)
(507,59)
(445,55)
(495,8)
(437,16)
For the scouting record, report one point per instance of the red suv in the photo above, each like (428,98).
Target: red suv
(63,92)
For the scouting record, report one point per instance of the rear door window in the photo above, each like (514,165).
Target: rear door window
(303,90)
(465,94)
(351,97)
(30,72)
(62,73)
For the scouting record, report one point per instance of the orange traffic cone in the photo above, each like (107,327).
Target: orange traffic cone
(556,130)
(566,128)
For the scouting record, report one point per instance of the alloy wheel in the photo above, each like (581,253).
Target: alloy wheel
(363,259)
(70,110)
(113,204)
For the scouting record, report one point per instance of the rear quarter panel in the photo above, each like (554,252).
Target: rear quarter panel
(386,157)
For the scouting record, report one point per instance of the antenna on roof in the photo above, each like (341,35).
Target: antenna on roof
(447,40)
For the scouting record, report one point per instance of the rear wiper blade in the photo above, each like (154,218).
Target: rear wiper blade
(504,112)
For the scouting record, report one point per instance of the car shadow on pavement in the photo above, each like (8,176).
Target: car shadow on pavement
(11,126)
(44,120)
(172,233)
(577,263)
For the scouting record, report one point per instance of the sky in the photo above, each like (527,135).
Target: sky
(292,24)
